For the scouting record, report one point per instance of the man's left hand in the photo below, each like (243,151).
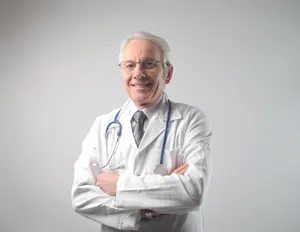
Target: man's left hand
(107,182)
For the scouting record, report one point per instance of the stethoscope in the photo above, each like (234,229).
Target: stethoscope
(160,168)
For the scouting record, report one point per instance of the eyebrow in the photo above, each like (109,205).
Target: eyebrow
(149,58)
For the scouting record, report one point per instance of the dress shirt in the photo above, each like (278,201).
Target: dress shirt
(148,111)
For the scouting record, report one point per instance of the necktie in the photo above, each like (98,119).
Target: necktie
(138,132)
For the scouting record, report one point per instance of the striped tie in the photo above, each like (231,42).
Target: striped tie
(138,132)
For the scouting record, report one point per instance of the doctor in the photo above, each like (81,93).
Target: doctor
(145,166)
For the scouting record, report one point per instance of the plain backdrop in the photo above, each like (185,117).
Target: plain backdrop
(238,61)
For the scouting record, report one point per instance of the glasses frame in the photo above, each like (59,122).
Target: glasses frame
(141,63)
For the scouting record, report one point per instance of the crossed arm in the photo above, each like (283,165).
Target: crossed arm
(94,197)
(107,182)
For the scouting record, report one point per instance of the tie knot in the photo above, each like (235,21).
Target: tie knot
(139,116)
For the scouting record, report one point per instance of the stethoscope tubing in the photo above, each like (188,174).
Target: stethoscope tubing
(119,133)
(166,134)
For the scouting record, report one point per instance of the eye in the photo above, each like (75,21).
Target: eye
(149,64)
(129,64)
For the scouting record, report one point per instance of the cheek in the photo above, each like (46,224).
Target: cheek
(161,81)
(125,79)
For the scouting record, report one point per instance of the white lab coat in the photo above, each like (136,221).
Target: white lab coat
(179,198)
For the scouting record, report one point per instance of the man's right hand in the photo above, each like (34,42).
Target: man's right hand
(181,170)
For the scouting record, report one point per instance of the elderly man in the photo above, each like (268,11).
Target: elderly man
(145,166)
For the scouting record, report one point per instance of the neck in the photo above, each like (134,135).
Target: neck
(146,105)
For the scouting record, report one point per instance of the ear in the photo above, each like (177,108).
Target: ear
(170,74)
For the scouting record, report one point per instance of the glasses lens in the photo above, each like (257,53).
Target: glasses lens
(149,64)
(128,65)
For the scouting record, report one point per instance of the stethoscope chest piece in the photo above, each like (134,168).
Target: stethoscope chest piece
(161,169)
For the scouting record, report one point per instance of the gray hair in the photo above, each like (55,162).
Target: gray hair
(160,42)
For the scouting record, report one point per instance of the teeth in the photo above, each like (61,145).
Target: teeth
(141,85)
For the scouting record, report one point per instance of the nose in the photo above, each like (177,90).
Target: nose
(138,72)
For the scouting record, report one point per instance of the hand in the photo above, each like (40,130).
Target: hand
(181,170)
(107,182)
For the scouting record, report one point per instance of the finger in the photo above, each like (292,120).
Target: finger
(182,171)
(176,171)
(182,167)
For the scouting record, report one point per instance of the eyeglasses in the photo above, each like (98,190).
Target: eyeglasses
(130,65)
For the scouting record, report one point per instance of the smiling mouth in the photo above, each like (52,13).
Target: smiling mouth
(141,85)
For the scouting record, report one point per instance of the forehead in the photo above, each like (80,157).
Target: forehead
(141,49)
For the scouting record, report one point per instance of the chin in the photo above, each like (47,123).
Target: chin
(140,99)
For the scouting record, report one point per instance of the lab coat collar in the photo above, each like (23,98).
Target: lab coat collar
(163,109)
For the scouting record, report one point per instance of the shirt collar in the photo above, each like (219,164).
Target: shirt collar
(148,111)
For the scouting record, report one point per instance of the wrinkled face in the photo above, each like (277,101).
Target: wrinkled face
(144,81)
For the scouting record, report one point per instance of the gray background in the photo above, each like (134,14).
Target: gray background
(238,61)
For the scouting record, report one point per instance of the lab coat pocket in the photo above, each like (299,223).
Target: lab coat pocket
(172,159)
(121,159)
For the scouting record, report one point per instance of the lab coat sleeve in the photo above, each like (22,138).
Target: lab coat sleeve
(173,194)
(89,200)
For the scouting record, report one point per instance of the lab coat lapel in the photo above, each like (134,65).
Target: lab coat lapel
(155,127)
(125,118)
(157,124)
